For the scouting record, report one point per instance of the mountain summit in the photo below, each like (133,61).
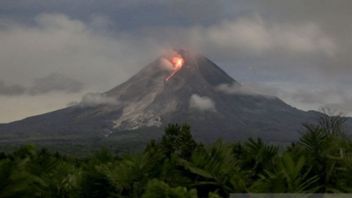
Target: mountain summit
(162,92)
(179,87)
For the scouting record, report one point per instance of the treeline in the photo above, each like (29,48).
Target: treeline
(177,166)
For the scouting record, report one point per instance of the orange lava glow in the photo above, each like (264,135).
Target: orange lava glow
(177,63)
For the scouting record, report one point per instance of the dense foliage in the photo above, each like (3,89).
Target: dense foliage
(177,166)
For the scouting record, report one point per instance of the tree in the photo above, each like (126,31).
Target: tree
(290,176)
(16,180)
(256,156)
(159,189)
(324,144)
(216,170)
(178,140)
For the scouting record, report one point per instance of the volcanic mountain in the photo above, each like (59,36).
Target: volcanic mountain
(176,88)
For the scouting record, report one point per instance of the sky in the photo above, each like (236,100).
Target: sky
(53,53)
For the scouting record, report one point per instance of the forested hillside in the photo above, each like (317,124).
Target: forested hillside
(178,166)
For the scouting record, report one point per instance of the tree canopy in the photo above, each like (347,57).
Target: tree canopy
(177,166)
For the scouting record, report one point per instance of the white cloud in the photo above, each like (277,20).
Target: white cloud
(52,83)
(254,35)
(247,89)
(76,49)
(201,103)
(18,107)
(95,59)
(299,95)
(90,54)
(316,98)
(96,99)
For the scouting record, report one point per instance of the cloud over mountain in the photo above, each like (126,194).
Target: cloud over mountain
(52,83)
(248,89)
(201,103)
(93,43)
(96,99)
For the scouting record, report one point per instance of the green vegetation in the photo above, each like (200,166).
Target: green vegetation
(176,166)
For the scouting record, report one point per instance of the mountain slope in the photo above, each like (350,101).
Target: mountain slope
(160,94)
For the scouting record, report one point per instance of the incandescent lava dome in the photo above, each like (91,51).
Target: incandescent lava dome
(177,61)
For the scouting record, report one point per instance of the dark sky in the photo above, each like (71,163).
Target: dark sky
(53,52)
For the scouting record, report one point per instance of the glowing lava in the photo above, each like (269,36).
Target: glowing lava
(177,62)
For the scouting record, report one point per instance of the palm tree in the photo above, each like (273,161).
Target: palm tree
(256,156)
(324,145)
(159,189)
(215,169)
(130,174)
(290,176)
(16,180)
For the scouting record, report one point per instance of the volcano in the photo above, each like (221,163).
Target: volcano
(140,108)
